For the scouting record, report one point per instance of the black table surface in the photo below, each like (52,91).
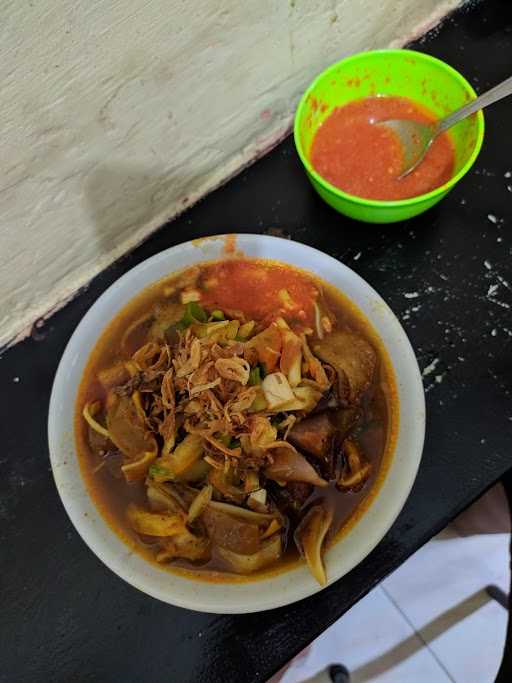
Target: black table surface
(64,616)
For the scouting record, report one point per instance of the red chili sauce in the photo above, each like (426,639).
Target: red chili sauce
(258,288)
(365,160)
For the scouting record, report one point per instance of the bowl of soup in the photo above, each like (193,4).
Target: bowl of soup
(236,423)
(355,165)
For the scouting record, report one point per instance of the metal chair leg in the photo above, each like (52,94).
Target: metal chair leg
(504,674)
(497,594)
(339,673)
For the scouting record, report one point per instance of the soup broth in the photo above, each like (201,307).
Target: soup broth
(234,418)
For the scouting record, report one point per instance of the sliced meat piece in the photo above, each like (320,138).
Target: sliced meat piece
(329,401)
(114,376)
(231,533)
(131,385)
(126,427)
(345,419)
(314,434)
(289,465)
(290,498)
(98,443)
(354,360)
(299,491)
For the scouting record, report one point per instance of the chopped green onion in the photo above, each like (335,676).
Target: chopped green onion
(156,470)
(259,403)
(255,376)
(217,314)
(246,329)
(225,439)
(197,312)
(194,313)
(228,440)
(276,421)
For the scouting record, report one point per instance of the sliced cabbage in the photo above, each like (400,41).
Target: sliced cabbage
(186,453)
(259,403)
(184,464)
(270,551)
(356,469)
(285,298)
(184,545)
(160,499)
(315,367)
(189,296)
(168,427)
(153,523)
(220,331)
(291,357)
(263,433)
(89,410)
(137,400)
(200,503)
(252,481)
(318,321)
(268,346)
(136,471)
(274,526)
(277,390)
(305,399)
(242,513)
(196,472)
(246,329)
(210,329)
(310,536)
(176,539)
(257,500)
(225,483)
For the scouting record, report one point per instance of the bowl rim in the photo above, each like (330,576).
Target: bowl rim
(252,596)
(376,203)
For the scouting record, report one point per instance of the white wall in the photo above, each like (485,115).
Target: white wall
(116,115)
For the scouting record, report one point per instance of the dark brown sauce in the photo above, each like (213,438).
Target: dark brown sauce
(376,433)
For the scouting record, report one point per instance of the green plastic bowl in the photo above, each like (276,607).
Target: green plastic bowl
(422,78)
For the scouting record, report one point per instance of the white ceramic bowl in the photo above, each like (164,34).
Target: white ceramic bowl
(286,587)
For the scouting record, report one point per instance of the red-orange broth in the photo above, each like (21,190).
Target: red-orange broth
(252,288)
(365,160)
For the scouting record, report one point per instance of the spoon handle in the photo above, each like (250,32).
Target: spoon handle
(493,95)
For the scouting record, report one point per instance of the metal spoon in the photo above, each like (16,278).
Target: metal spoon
(416,138)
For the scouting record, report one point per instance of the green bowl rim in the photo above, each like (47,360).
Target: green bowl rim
(396,202)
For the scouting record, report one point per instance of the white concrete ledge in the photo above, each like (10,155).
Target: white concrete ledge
(116,116)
